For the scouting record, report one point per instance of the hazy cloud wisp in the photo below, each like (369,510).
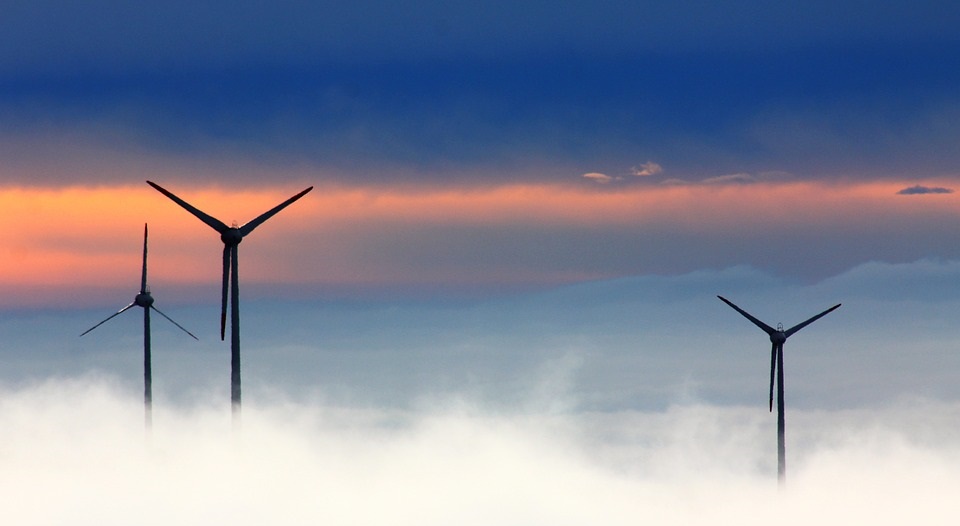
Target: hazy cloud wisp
(921,190)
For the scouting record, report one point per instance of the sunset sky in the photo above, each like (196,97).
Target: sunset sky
(452,149)
(528,207)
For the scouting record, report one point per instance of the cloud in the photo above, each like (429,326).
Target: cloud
(739,178)
(455,463)
(921,190)
(599,177)
(646,169)
(747,178)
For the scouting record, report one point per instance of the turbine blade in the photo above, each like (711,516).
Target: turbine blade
(108,318)
(175,323)
(799,326)
(766,328)
(143,275)
(211,221)
(247,228)
(223,295)
(773,368)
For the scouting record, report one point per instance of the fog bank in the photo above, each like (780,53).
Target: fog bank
(74,451)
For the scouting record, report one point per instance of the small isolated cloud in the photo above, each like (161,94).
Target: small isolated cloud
(598,177)
(747,178)
(740,178)
(646,169)
(920,190)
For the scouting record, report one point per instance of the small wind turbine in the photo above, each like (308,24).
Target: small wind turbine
(145,300)
(777,337)
(231,237)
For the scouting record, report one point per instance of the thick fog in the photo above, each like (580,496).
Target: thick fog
(75,452)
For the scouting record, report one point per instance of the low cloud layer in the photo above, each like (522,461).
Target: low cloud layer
(638,400)
(638,343)
(455,463)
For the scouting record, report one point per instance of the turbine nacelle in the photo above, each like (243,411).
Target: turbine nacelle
(144,299)
(231,236)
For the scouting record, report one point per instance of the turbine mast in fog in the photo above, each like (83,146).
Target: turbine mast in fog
(145,300)
(777,337)
(231,237)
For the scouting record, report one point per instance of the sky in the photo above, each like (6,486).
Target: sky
(503,285)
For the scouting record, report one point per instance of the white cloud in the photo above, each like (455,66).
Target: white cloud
(747,178)
(82,441)
(742,178)
(646,169)
(598,177)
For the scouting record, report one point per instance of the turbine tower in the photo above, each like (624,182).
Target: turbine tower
(777,337)
(145,300)
(231,237)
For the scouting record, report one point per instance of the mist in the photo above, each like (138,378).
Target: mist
(640,400)
(74,451)
(638,343)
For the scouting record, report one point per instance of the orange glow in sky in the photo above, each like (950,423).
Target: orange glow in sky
(92,236)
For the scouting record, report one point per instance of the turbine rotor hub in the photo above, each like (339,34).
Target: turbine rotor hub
(144,299)
(232,236)
(778,337)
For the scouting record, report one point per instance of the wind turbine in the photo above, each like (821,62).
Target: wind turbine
(231,237)
(145,300)
(777,337)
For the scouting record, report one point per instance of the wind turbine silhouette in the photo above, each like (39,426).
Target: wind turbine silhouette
(777,337)
(145,300)
(231,237)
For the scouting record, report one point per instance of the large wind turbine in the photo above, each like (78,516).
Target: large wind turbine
(777,337)
(145,300)
(231,237)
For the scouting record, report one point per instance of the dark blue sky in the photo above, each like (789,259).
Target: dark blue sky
(509,92)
